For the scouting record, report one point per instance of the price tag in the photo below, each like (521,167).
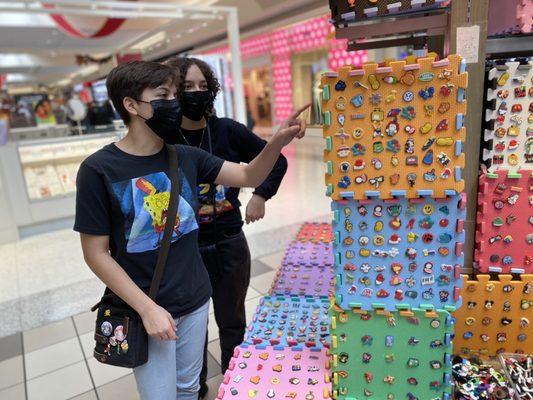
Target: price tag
(468,43)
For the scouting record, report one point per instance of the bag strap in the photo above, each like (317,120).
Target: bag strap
(172,212)
(214,192)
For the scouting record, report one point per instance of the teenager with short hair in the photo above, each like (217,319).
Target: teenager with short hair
(120,214)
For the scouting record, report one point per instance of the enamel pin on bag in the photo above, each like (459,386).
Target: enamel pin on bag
(121,339)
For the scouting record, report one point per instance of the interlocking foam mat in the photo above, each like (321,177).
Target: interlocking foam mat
(395,130)
(508,134)
(265,372)
(399,253)
(504,235)
(379,355)
(315,232)
(290,321)
(495,316)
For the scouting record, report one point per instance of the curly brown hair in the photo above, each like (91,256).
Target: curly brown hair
(181,66)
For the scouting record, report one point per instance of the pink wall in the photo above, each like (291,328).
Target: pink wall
(304,37)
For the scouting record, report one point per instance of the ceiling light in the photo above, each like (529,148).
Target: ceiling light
(14,90)
(150,41)
(17,60)
(15,78)
(64,82)
(88,70)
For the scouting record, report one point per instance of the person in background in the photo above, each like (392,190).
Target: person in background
(5,108)
(120,208)
(223,245)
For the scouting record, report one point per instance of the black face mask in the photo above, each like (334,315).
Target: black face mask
(166,120)
(195,104)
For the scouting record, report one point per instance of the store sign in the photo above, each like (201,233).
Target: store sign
(125,58)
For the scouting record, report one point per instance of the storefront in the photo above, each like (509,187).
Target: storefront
(289,74)
(258,92)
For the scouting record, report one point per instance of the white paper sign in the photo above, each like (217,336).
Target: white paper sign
(468,43)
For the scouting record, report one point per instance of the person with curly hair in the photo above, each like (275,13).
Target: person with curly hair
(222,242)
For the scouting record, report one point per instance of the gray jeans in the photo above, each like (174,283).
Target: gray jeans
(173,368)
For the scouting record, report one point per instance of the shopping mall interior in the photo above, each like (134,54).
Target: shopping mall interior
(418,148)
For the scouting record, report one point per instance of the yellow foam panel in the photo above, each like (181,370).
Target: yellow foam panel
(495,317)
(377,147)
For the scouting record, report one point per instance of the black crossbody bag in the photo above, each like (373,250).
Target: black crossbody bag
(121,339)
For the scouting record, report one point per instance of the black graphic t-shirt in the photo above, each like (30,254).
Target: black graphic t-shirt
(234,142)
(126,197)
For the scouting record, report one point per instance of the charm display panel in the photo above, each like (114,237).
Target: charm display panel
(509,129)
(277,373)
(315,233)
(504,235)
(399,253)
(303,281)
(306,270)
(379,355)
(395,130)
(496,316)
(345,11)
(309,254)
(290,321)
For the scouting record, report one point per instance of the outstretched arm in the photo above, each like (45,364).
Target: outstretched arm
(254,173)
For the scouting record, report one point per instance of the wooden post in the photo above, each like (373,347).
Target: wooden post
(468,13)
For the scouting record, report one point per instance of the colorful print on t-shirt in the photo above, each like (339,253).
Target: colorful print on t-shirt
(144,203)
(205,197)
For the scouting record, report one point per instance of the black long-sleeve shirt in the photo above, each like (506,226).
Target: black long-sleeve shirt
(234,142)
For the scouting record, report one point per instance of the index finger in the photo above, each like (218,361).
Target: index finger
(299,111)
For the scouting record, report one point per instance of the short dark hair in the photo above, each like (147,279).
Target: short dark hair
(132,78)
(182,64)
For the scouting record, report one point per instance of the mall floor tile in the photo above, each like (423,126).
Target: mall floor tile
(12,372)
(259,268)
(90,395)
(213,348)
(63,383)
(84,322)
(87,343)
(10,346)
(213,366)
(273,260)
(102,373)
(262,283)
(123,388)
(44,336)
(214,383)
(17,392)
(51,358)
(252,293)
